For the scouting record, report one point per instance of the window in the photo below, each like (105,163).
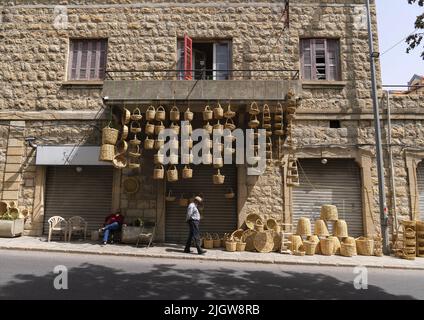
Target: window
(320,59)
(335,124)
(87,59)
(210,60)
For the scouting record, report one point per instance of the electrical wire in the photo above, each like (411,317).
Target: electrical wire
(398,43)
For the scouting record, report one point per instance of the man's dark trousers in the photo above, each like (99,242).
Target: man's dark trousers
(194,234)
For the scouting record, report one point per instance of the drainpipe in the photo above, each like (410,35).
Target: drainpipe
(391,167)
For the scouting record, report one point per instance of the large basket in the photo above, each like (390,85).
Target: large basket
(336,244)
(349,240)
(207,114)
(218,178)
(174,114)
(296,242)
(303,227)
(321,229)
(309,247)
(329,212)
(365,246)
(107,152)
(327,246)
(160,114)
(315,239)
(271,224)
(109,135)
(249,237)
(251,220)
(119,162)
(172,174)
(264,241)
(347,250)
(340,229)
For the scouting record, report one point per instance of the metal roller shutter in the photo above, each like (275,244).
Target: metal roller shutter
(420,182)
(87,194)
(338,182)
(220,214)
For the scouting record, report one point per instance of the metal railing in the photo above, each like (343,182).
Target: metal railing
(204,74)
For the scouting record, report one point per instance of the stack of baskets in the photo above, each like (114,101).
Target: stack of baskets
(409,240)
(109,139)
(420,238)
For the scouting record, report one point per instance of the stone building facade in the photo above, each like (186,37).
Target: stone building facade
(37,99)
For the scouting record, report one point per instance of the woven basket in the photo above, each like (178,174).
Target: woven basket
(150,113)
(266,113)
(135,141)
(107,152)
(159,128)
(259,225)
(160,114)
(365,246)
(277,240)
(230,194)
(174,126)
(183,202)
(296,242)
(208,243)
(124,133)
(329,212)
(187,158)
(216,241)
(126,116)
(264,241)
(254,109)
(121,147)
(172,174)
(136,115)
(158,158)
(13,204)
(279,132)
(249,237)
(174,114)
(266,126)
(347,250)
(408,224)
(251,220)
(340,229)
(131,185)
(218,178)
(218,112)
(135,127)
(149,129)
(133,164)
(304,227)
(336,244)
(240,246)
(207,114)
(149,143)
(278,117)
(218,162)
(310,247)
(208,128)
(187,128)
(315,239)
(229,113)
(410,233)
(187,172)
(158,172)
(134,151)
(231,245)
(207,158)
(229,124)
(188,115)
(237,235)
(419,225)
(218,128)
(158,143)
(3,207)
(271,224)
(170,197)
(254,122)
(326,246)
(321,229)
(109,135)
(119,162)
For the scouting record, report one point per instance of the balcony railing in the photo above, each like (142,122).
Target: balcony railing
(204,74)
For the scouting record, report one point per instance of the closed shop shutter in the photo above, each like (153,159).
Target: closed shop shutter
(220,214)
(338,182)
(87,194)
(420,182)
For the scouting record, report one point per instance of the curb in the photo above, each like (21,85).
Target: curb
(225,259)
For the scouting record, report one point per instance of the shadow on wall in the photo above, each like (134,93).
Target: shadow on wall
(165,281)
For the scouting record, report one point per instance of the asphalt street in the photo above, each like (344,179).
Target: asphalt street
(33,275)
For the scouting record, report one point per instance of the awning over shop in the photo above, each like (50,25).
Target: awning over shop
(69,155)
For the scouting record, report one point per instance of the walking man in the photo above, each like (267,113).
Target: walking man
(193,220)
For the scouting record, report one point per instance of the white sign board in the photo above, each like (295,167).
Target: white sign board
(69,155)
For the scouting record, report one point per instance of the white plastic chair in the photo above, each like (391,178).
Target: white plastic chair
(77,224)
(59,225)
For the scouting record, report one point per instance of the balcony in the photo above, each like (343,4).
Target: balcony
(147,86)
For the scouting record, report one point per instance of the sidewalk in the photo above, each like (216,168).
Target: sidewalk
(172,251)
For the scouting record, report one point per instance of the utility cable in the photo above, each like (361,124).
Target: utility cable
(397,43)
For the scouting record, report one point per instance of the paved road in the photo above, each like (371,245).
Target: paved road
(29,275)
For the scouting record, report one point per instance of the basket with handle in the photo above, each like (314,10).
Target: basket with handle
(172,174)
(173,158)
(271,224)
(207,113)
(174,143)
(187,144)
(251,219)
(240,246)
(158,172)
(149,129)
(216,241)
(229,124)
(218,112)
(183,202)
(135,127)
(107,152)
(119,162)
(150,113)
(134,151)
(208,128)
(188,115)
(218,128)
(109,135)
(237,234)
(159,143)
(174,126)
(218,178)
(136,115)
(218,162)
(124,132)
(229,113)
(121,147)
(126,116)
(187,158)
(231,245)
(149,143)
(159,128)
(266,125)
(254,109)
(336,242)
(208,241)
(160,114)
(133,163)
(249,237)
(174,114)
(170,197)
(266,116)
(259,225)
(187,172)
(135,141)
(229,194)
(254,122)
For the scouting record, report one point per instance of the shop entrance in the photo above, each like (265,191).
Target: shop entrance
(219,214)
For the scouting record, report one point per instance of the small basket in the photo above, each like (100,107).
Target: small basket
(230,194)
(172,174)
(240,246)
(174,114)
(174,126)
(183,202)
(188,115)
(218,128)
(218,162)
(160,114)
(121,147)
(216,241)
(174,143)
(158,172)
(150,113)
(159,128)
(187,172)
(136,115)
(159,144)
(170,197)
(135,141)
(218,178)
(266,125)
(109,135)
(410,233)
(187,158)
(119,162)
(229,124)
(124,133)
(326,246)
(278,118)
(231,245)
(229,113)
(304,227)
(207,114)
(310,247)
(107,152)
(365,246)
(149,129)
(187,128)
(266,116)
(208,242)
(218,112)
(208,128)
(126,116)
(149,143)
(254,122)
(254,109)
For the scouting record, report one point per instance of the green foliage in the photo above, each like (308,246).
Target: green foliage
(7,216)
(415,39)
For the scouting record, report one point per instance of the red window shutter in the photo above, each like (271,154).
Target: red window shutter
(188,58)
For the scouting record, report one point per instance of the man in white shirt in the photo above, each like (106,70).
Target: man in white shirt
(193,220)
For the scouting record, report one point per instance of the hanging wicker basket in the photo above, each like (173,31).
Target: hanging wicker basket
(160,114)
(187,158)
(174,126)
(134,151)
(107,152)
(159,144)
(121,147)
(172,174)
(135,127)
(218,162)
(218,112)
(266,116)
(109,135)
(329,212)
(229,194)
(188,115)
(321,229)
(158,172)
(173,159)
(149,129)
(327,246)
(208,128)
(187,128)
(207,114)
(218,128)
(126,116)
(218,178)
(170,197)
(187,172)
(183,202)
(251,220)
(365,246)
(135,141)
(254,122)
(131,185)
(229,113)
(174,114)
(340,229)
(133,163)
(266,125)
(158,158)
(150,113)
(149,143)
(159,128)
(264,241)
(254,109)
(136,115)
(229,124)
(120,162)
(279,132)
(124,133)
(304,227)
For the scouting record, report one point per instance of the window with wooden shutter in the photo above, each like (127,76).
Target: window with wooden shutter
(320,59)
(87,59)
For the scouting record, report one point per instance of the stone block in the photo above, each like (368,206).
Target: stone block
(10,195)
(15,151)
(12,177)
(14,159)
(15,143)
(13,167)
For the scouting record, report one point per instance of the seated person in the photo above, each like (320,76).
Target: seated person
(113,222)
